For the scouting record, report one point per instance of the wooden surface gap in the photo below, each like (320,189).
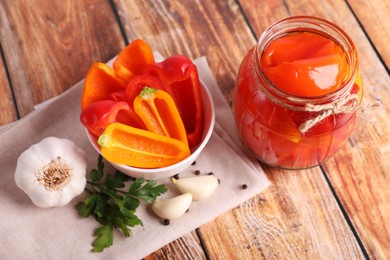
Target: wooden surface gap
(206,253)
(285,4)
(368,38)
(247,20)
(6,69)
(118,20)
(345,214)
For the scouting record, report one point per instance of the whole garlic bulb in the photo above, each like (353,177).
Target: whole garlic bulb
(52,172)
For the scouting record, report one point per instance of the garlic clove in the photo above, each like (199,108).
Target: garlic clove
(172,208)
(200,187)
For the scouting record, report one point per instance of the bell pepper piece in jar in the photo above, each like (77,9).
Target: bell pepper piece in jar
(305,64)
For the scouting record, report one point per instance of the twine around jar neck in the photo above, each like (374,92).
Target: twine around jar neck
(348,104)
(345,105)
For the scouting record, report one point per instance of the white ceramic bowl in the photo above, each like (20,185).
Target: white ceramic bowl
(165,172)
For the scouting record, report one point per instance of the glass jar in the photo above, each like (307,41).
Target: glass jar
(297,93)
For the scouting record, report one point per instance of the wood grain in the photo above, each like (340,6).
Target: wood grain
(290,222)
(68,36)
(186,247)
(8,111)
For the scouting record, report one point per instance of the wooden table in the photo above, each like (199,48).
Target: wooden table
(340,210)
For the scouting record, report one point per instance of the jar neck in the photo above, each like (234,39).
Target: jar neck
(297,24)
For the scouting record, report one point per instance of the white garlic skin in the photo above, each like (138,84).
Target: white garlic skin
(172,208)
(201,187)
(41,154)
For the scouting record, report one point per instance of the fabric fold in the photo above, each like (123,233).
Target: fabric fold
(59,233)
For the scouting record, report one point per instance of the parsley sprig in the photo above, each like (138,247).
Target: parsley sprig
(113,205)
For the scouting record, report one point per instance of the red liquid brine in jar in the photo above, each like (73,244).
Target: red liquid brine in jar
(297,93)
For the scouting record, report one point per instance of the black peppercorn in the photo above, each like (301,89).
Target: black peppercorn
(193,163)
(197,172)
(166,222)
(244,186)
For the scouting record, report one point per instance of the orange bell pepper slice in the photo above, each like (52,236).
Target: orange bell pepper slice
(136,147)
(132,59)
(100,82)
(305,64)
(159,112)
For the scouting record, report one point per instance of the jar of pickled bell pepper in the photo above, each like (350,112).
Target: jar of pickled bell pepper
(298,92)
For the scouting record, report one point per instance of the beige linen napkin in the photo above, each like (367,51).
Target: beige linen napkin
(29,232)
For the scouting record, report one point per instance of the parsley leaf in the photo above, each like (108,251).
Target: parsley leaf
(148,191)
(104,238)
(112,205)
(86,207)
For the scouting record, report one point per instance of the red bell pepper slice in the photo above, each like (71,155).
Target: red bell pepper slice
(98,115)
(118,96)
(180,79)
(137,83)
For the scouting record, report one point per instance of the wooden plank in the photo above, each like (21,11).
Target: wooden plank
(299,209)
(359,172)
(261,14)
(49,45)
(374,17)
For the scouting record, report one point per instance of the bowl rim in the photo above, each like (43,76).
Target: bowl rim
(205,92)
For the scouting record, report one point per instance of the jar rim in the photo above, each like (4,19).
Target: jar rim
(306,24)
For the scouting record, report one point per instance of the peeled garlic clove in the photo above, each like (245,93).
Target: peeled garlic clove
(200,187)
(172,208)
